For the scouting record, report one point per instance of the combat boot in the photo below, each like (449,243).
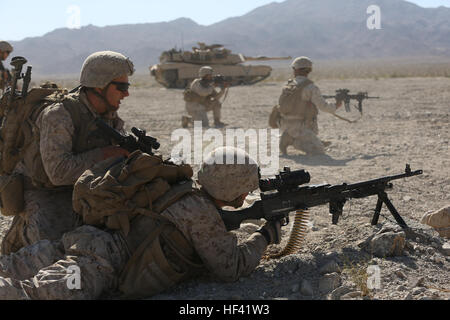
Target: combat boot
(285,141)
(219,124)
(185,120)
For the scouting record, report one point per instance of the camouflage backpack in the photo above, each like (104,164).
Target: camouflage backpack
(113,192)
(16,135)
(291,95)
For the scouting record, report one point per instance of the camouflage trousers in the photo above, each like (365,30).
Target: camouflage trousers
(199,112)
(83,265)
(47,215)
(301,135)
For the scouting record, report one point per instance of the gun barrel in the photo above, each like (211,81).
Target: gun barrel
(385,180)
(264,58)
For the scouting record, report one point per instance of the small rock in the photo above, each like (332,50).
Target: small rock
(439,260)
(420,282)
(439,220)
(417,291)
(409,296)
(352,295)
(431,251)
(435,245)
(401,288)
(400,274)
(329,282)
(387,244)
(306,288)
(337,293)
(295,288)
(446,249)
(407,198)
(330,267)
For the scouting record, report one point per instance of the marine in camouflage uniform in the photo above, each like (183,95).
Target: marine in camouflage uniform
(204,88)
(104,257)
(67,143)
(5,76)
(298,123)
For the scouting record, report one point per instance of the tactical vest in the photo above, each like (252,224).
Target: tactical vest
(293,106)
(87,137)
(161,257)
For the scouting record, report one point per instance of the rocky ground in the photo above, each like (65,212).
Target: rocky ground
(408,124)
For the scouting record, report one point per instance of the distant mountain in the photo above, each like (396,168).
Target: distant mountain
(321,29)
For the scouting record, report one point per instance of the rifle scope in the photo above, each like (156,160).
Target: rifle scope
(142,137)
(286,180)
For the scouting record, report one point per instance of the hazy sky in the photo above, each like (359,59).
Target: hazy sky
(35,18)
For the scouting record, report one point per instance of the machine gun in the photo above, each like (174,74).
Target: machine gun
(138,141)
(18,63)
(285,194)
(343,95)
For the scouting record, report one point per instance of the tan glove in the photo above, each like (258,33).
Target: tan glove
(271,231)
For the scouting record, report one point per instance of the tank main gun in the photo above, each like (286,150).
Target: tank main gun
(264,58)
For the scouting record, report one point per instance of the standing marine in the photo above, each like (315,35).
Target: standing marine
(66,142)
(5,76)
(202,97)
(299,105)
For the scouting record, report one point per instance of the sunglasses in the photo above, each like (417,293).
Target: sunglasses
(121,86)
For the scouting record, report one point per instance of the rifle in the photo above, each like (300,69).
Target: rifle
(18,63)
(138,141)
(221,80)
(284,194)
(345,96)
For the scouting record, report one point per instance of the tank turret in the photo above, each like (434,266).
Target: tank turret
(178,68)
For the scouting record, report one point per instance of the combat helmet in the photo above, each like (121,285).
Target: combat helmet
(302,63)
(227,173)
(6,46)
(204,71)
(100,68)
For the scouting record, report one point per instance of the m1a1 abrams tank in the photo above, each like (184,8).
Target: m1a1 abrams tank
(177,68)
